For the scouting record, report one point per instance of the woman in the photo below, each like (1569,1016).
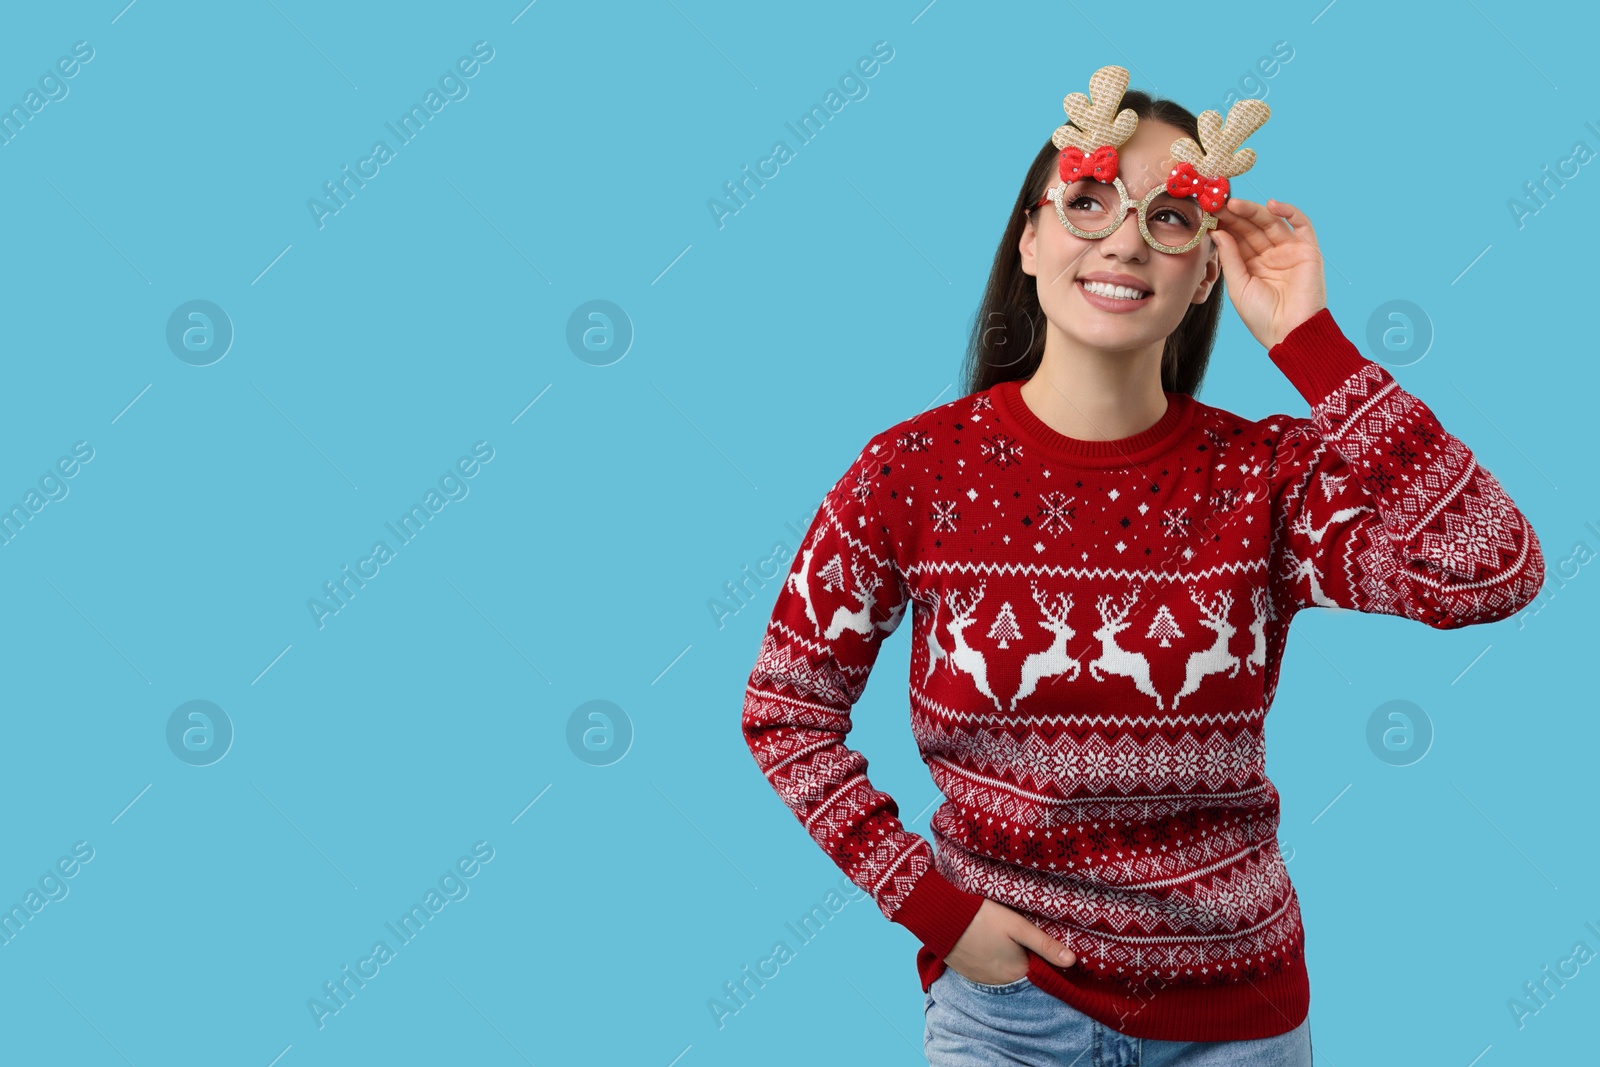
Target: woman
(1101,572)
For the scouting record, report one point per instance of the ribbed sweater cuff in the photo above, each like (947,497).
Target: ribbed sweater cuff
(1316,357)
(938,912)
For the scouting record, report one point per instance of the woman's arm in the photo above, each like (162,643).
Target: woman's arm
(1377,508)
(843,596)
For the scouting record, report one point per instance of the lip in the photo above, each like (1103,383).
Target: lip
(1113,278)
(1106,303)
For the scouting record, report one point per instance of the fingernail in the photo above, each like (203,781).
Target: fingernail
(1064,956)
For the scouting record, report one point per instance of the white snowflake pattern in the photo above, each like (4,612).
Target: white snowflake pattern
(1055,514)
(1001,450)
(1175,521)
(1473,544)
(863,486)
(944,516)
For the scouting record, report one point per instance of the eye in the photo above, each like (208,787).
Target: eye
(1092,201)
(1175,217)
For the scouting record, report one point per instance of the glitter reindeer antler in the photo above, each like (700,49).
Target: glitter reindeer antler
(1205,173)
(1089,146)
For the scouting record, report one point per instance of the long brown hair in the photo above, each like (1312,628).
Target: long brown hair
(1010,317)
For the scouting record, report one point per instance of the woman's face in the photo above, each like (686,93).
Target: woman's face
(1060,259)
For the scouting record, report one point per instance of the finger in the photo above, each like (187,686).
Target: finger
(1045,945)
(1228,252)
(1272,218)
(1296,218)
(1247,222)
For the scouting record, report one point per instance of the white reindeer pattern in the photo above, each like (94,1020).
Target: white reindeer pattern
(1217,658)
(964,657)
(800,582)
(936,651)
(859,619)
(1054,660)
(1115,660)
(1258,629)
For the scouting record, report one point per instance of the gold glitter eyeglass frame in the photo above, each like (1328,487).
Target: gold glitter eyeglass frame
(1208,221)
(1089,144)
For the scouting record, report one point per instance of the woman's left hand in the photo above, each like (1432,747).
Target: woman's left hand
(1273,272)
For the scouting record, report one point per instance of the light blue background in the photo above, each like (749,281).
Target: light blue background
(429,314)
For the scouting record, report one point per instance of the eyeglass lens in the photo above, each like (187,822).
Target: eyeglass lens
(1091,205)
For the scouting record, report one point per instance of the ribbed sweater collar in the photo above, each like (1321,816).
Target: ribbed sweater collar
(1118,452)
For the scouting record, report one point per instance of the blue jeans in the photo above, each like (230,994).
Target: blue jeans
(969,1024)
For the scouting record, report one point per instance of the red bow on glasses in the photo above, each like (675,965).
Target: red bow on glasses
(1101,164)
(1211,192)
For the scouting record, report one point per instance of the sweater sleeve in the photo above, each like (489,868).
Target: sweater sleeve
(1377,508)
(843,596)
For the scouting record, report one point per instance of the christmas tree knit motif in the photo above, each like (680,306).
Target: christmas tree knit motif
(1096,630)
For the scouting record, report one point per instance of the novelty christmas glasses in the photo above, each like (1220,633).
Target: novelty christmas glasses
(1091,200)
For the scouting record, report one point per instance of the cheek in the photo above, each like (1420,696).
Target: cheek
(1184,280)
(1058,255)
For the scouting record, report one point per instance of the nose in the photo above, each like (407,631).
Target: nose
(1130,240)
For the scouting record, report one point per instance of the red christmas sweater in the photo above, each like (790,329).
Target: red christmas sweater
(1096,630)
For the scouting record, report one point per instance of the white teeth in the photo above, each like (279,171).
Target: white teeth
(1119,292)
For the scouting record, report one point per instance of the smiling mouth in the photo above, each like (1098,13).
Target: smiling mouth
(1115,292)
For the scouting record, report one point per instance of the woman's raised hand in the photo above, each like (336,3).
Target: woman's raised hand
(993,949)
(1271,265)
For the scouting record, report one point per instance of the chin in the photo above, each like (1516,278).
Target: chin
(1114,338)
